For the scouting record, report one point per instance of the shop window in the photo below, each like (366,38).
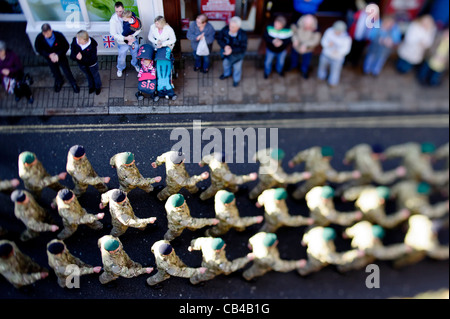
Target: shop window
(55,10)
(102,10)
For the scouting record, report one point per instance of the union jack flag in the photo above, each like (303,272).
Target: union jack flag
(108,41)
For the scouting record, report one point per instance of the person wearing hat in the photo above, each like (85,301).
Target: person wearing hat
(422,238)
(321,208)
(169,264)
(116,262)
(34,175)
(321,251)
(60,259)
(267,257)
(176,175)
(214,259)
(414,196)
(129,175)
(9,185)
(179,218)
(221,176)
(370,200)
(317,161)
(271,173)
(416,157)
(35,218)
(73,214)
(122,214)
(17,268)
(276,212)
(368,238)
(82,172)
(228,215)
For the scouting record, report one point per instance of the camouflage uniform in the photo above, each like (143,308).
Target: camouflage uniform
(36,178)
(369,202)
(170,265)
(179,218)
(117,264)
(6,186)
(221,177)
(130,177)
(442,153)
(276,213)
(176,177)
(122,215)
(266,259)
(59,263)
(83,175)
(320,169)
(19,269)
(73,215)
(424,242)
(271,174)
(228,216)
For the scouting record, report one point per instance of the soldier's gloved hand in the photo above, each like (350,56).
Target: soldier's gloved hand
(258,205)
(405,213)
(190,249)
(158,179)
(15,182)
(97,269)
(359,215)
(291,164)
(306,175)
(204,175)
(361,253)
(345,162)
(215,221)
(54,228)
(253,176)
(148,270)
(44,274)
(301,263)
(101,206)
(62,176)
(382,157)
(202,270)
(259,219)
(151,220)
(356,174)
(100,216)
(344,235)
(106,179)
(310,221)
(400,171)
(201,164)
(250,256)
(154,165)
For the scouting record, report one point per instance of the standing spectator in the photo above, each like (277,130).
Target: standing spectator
(336,44)
(305,39)
(124,43)
(418,39)
(277,38)
(53,46)
(431,71)
(198,30)
(233,43)
(383,40)
(161,34)
(303,7)
(11,73)
(84,52)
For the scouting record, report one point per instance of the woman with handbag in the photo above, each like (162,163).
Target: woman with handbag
(201,34)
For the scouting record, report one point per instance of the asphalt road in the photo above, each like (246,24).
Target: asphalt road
(149,136)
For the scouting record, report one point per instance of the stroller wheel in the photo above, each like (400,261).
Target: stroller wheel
(139,96)
(156,99)
(174,97)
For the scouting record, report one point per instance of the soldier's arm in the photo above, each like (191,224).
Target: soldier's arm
(338,177)
(280,265)
(5,186)
(206,160)
(396,151)
(294,221)
(112,161)
(390,252)
(350,156)
(46,181)
(439,252)
(435,178)
(37,225)
(300,157)
(353,193)
(281,177)
(92,180)
(161,159)
(236,264)
(196,244)
(435,211)
(87,218)
(344,219)
(383,178)
(20,278)
(193,180)
(183,272)
(197,223)
(391,220)
(245,221)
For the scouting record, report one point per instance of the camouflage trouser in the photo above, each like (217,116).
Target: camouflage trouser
(170,190)
(256,270)
(69,229)
(309,184)
(80,188)
(106,277)
(160,276)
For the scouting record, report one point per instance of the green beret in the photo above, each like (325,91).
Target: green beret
(328,233)
(111,245)
(217,243)
(269,240)
(280,193)
(378,231)
(383,192)
(277,154)
(327,151)
(424,188)
(27,157)
(428,148)
(177,200)
(126,158)
(327,192)
(227,197)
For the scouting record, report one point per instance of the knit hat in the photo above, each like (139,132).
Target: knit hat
(424,188)
(227,197)
(327,151)
(177,200)
(27,157)
(118,196)
(277,154)
(327,192)
(378,231)
(111,244)
(126,158)
(377,148)
(280,194)
(428,148)
(328,233)
(165,249)
(269,239)
(18,196)
(383,192)
(65,194)
(217,243)
(177,157)
(77,151)
(5,250)
(56,248)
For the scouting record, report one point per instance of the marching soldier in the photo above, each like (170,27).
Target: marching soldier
(62,262)
(82,172)
(8,185)
(370,200)
(267,256)
(116,262)
(176,175)
(34,175)
(214,259)
(129,175)
(122,214)
(228,215)
(74,215)
(221,176)
(277,213)
(179,218)
(317,162)
(169,264)
(17,268)
(31,214)
(271,173)
(442,153)
(322,210)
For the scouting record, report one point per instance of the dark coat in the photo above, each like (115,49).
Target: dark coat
(89,54)
(238,43)
(60,46)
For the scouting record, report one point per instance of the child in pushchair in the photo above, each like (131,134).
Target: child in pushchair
(147,74)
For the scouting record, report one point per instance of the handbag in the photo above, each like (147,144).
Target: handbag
(202,48)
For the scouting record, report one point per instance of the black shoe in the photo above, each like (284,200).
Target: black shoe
(305,75)
(91,90)
(223,77)
(58,87)
(196,69)
(266,76)
(30,100)
(76,88)
(18,98)
(235,84)
(139,96)
(98,91)
(205,71)
(281,74)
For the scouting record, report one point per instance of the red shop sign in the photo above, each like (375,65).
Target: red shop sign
(218,10)
(405,10)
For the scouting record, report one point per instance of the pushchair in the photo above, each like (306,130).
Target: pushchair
(147,78)
(165,73)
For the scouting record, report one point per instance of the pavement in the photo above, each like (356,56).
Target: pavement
(205,93)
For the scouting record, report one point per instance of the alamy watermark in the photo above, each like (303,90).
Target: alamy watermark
(373,280)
